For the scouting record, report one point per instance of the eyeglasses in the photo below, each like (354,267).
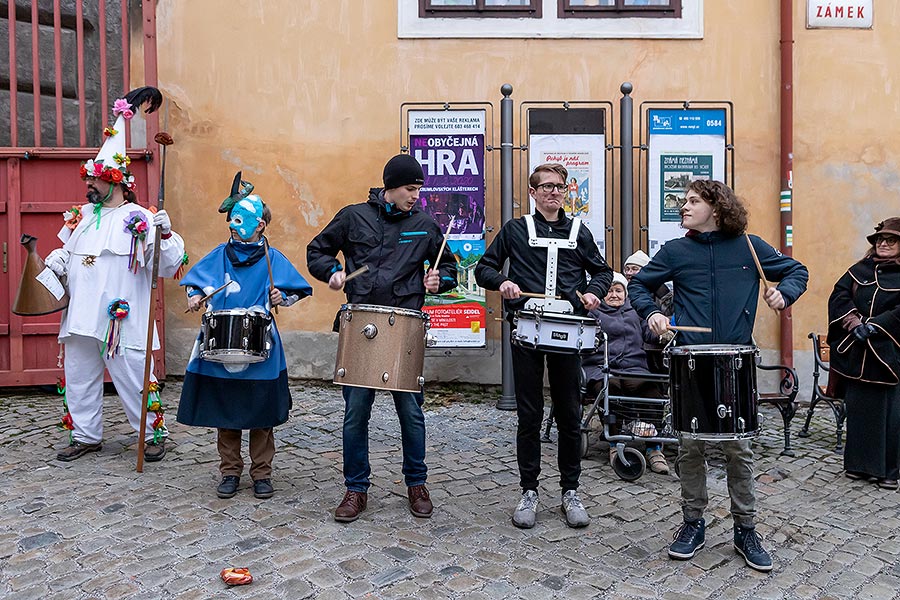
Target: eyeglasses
(887,240)
(549,187)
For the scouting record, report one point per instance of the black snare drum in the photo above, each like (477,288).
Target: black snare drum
(713,391)
(235,336)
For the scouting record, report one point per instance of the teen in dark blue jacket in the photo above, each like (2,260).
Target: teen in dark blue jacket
(716,286)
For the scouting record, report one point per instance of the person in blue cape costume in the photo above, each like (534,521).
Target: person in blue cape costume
(236,396)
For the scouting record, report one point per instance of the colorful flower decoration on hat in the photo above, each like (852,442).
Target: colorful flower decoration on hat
(154,405)
(122,107)
(136,224)
(109,131)
(117,310)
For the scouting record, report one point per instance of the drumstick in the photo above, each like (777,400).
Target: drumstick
(758,266)
(212,293)
(269,265)
(533,295)
(356,273)
(580,295)
(689,328)
(444,243)
(759,269)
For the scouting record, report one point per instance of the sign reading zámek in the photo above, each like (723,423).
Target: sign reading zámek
(854,14)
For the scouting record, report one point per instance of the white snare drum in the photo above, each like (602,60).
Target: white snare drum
(555,332)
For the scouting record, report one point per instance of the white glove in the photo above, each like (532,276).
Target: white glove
(57,261)
(162,220)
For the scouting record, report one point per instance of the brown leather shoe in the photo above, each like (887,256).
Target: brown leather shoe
(350,507)
(76,450)
(419,501)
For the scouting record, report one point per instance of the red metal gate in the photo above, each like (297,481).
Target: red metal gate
(66,66)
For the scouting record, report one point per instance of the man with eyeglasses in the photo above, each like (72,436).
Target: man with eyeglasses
(526,243)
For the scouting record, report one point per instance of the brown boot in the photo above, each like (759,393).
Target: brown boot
(350,507)
(419,501)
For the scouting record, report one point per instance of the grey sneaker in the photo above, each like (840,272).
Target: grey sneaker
(526,510)
(576,515)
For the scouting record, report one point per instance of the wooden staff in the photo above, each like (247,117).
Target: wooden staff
(269,265)
(759,269)
(689,328)
(212,293)
(163,139)
(356,273)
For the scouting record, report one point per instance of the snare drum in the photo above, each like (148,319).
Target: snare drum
(235,335)
(381,348)
(555,332)
(713,391)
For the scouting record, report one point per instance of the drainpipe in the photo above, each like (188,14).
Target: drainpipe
(787,164)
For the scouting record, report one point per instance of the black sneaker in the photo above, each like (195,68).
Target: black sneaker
(229,486)
(77,450)
(689,538)
(749,545)
(262,488)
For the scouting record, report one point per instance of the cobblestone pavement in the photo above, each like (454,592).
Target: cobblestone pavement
(94,528)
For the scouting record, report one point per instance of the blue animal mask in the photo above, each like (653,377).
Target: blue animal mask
(246,216)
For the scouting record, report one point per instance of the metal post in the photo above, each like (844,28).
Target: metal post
(787,165)
(626,171)
(507,399)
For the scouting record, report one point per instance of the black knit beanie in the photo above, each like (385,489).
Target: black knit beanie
(402,170)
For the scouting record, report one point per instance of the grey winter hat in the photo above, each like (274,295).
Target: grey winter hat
(402,170)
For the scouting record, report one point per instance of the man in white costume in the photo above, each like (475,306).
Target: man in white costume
(108,260)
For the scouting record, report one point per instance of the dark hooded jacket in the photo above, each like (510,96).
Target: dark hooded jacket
(394,244)
(716,284)
(873,291)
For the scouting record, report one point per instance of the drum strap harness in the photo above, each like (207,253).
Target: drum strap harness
(552,245)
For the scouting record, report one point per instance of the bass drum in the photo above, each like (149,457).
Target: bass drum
(381,348)
(713,391)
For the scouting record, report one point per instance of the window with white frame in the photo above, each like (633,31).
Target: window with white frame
(664,19)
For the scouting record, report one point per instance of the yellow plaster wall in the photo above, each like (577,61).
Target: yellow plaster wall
(305,97)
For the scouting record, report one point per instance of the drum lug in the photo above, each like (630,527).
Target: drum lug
(245,343)
(246,324)
(212,322)
(391,320)
(666,361)
(430,340)
(370,331)
(211,343)
(694,425)
(385,377)
(738,362)
(691,363)
(741,424)
(341,372)
(723,411)
(421,381)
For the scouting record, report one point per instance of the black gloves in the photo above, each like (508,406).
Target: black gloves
(864,331)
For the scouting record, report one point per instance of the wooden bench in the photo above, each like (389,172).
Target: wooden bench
(784,399)
(821,358)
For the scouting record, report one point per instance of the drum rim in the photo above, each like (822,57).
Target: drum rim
(718,437)
(236,312)
(713,349)
(554,316)
(377,308)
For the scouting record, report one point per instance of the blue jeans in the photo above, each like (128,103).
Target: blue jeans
(357,410)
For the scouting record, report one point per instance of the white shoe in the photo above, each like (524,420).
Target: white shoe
(576,515)
(526,511)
